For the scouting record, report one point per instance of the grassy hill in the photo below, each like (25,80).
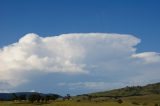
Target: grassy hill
(136,95)
(131,91)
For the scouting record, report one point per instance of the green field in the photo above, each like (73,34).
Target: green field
(73,103)
(148,100)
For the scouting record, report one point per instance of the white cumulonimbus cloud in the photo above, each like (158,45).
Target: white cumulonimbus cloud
(92,54)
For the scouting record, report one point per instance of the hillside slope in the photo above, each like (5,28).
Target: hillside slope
(131,91)
(135,95)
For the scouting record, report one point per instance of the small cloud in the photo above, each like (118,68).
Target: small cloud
(32,90)
(148,57)
(4,91)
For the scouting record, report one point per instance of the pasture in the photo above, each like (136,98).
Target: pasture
(82,103)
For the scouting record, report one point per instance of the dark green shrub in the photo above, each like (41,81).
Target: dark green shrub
(78,100)
(156,104)
(119,101)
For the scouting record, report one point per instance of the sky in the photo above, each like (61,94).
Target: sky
(78,46)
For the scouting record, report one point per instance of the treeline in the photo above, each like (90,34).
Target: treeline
(35,97)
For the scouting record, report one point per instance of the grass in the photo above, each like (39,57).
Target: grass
(74,103)
(146,99)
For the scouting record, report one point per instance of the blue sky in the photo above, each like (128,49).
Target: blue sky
(139,18)
(53,17)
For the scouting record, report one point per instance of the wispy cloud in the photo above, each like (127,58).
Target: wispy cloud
(92,85)
(148,57)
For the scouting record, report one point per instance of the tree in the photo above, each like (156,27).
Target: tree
(34,97)
(120,101)
(22,97)
(89,97)
(47,98)
(31,98)
(15,97)
(68,96)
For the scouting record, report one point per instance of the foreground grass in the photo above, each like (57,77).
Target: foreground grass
(146,100)
(73,103)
